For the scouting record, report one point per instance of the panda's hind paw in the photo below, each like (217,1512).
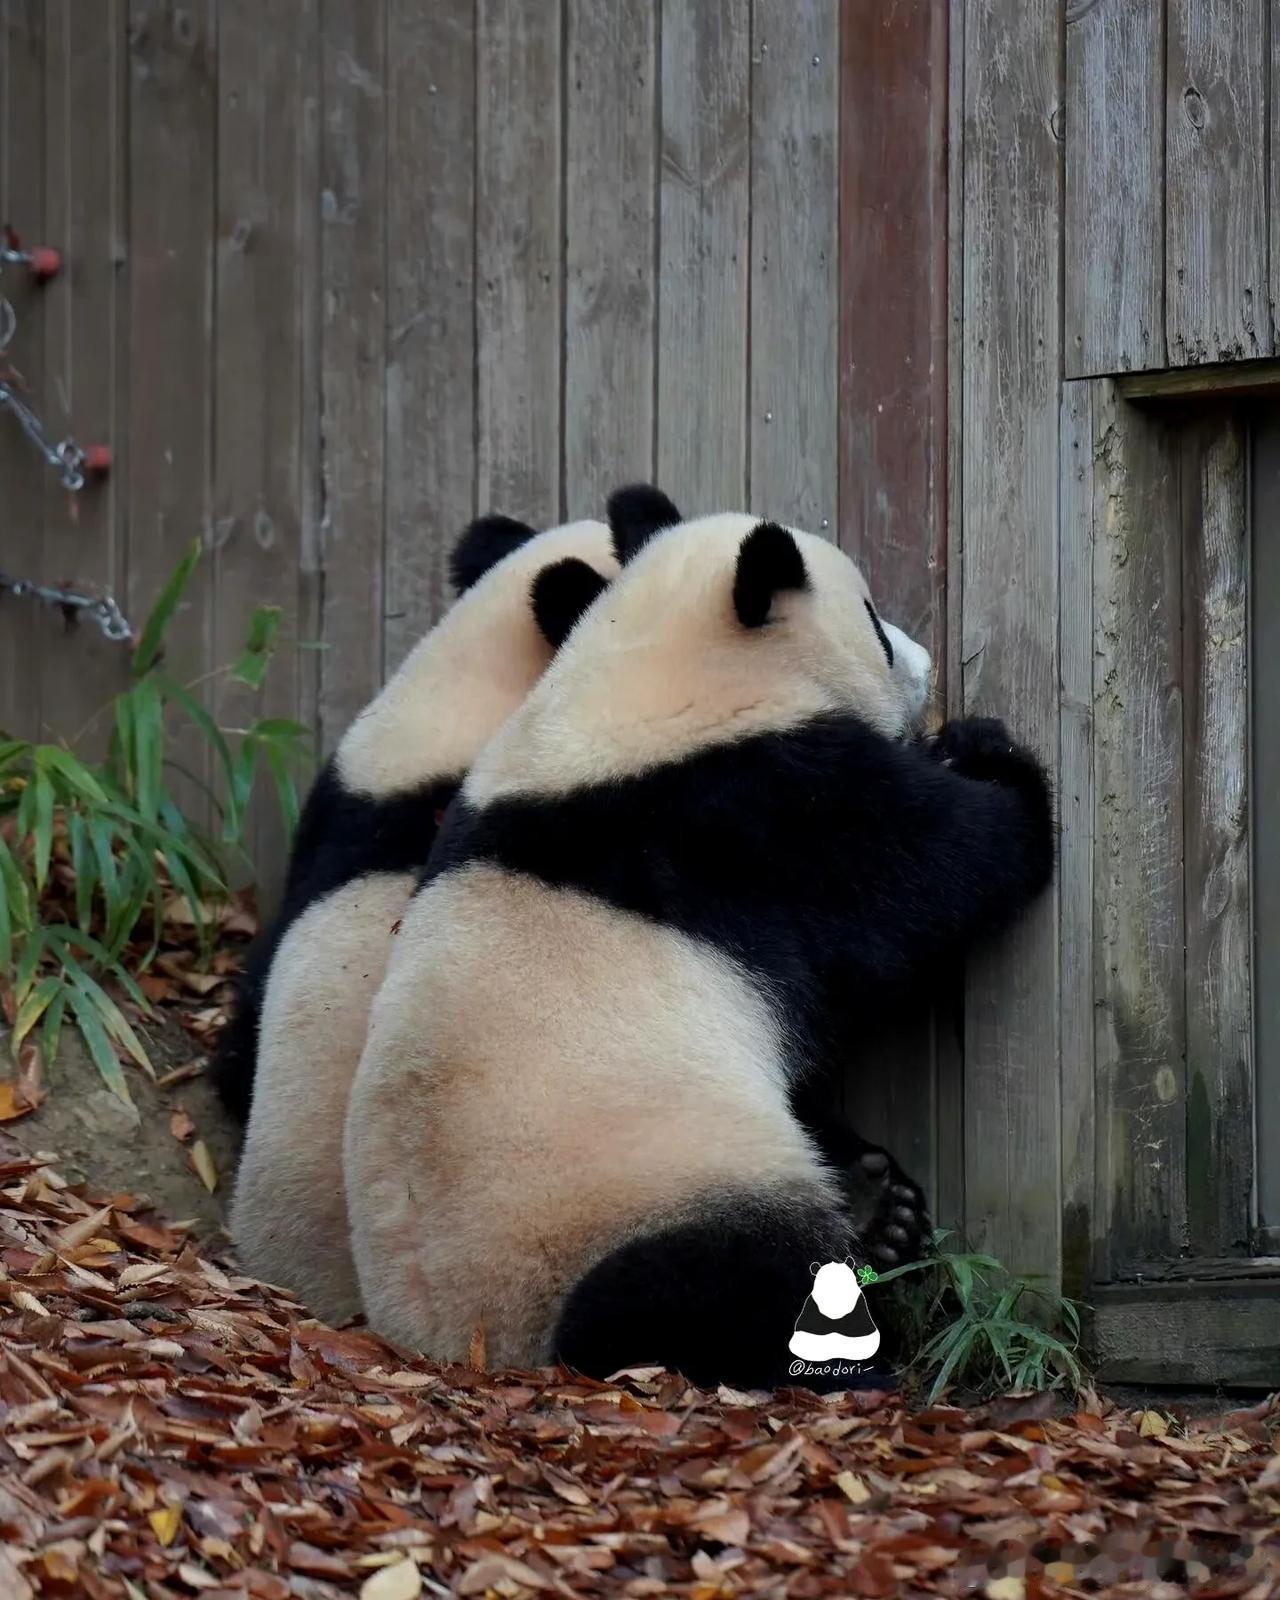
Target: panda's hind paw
(894,1222)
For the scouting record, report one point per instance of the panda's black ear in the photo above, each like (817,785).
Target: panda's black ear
(483,545)
(560,594)
(769,561)
(635,514)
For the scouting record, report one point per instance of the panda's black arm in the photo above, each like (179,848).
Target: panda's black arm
(939,843)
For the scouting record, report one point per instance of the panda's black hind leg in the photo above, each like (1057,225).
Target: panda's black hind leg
(715,1297)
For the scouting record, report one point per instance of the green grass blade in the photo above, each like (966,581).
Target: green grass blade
(102,836)
(148,743)
(99,1045)
(113,1019)
(17,895)
(286,788)
(83,865)
(150,644)
(51,1027)
(76,779)
(32,1009)
(33,950)
(68,940)
(43,831)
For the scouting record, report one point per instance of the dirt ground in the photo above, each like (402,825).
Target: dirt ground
(97,1138)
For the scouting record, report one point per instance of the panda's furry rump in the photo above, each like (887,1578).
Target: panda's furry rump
(341,836)
(714,1298)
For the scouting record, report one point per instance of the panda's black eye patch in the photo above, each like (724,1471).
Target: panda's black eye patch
(880,633)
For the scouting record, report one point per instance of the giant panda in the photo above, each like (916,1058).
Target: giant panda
(708,828)
(367,829)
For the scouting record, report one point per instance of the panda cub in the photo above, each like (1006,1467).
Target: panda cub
(708,831)
(366,831)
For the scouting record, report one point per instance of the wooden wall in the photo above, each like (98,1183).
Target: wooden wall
(1112,314)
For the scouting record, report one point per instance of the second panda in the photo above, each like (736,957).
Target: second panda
(366,830)
(708,830)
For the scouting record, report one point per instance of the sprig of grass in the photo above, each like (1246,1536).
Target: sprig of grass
(118,827)
(978,1325)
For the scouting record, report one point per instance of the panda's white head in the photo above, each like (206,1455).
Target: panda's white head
(836,1289)
(469,673)
(715,629)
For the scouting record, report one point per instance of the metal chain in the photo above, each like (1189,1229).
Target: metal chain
(100,609)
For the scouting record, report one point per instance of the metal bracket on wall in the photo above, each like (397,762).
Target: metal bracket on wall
(75,464)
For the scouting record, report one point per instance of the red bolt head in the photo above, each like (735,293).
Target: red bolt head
(46,262)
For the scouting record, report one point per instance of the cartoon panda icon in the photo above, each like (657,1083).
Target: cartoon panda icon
(835,1323)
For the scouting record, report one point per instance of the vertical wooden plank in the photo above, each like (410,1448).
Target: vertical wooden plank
(1138,861)
(1216,279)
(893,294)
(1011,353)
(258,447)
(77,392)
(704,251)
(1220,1093)
(1113,225)
(794,253)
(22,202)
(950,1208)
(610,288)
(1075,845)
(519,255)
(1273,177)
(353,277)
(172,111)
(431,377)
(1265,670)
(892,417)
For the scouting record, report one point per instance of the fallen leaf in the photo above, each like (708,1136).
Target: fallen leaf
(1009,1588)
(165,1523)
(1153,1425)
(12,1103)
(476,1351)
(403,1581)
(202,1161)
(853,1488)
(180,1124)
(81,1232)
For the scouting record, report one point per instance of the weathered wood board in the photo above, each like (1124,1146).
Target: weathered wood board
(1113,221)
(1008,441)
(703,239)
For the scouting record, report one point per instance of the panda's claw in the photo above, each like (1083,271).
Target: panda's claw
(886,1255)
(896,1233)
(874,1163)
(906,1214)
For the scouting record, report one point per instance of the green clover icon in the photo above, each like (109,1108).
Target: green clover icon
(868,1274)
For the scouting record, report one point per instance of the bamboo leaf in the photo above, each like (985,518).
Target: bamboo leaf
(99,1045)
(43,831)
(51,1027)
(32,1009)
(252,666)
(150,644)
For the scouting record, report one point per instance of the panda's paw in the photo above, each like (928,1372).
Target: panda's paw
(893,1222)
(983,748)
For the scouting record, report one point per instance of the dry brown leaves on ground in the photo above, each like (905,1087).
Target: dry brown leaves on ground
(170,1428)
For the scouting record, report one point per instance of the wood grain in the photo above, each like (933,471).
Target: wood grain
(1264,663)
(519,256)
(1216,278)
(794,247)
(1140,1021)
(1220,1087)
(77,393)
(24,633)
(704,249)
(263,155)
(610,215)
(353,296)
(892,424)
(1076,802)
(1113,223)
(172,121)
(431,285)
(1009,440)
